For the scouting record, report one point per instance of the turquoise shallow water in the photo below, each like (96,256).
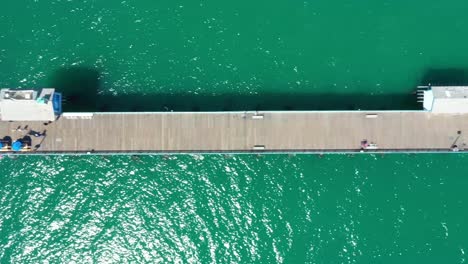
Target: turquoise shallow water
(214,55)
(234,209)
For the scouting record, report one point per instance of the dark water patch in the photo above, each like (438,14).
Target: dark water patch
(266,101)
(445,76)
(79,86)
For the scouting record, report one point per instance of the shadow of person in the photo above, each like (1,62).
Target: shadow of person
(26,140)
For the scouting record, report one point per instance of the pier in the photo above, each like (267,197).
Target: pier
(245,131)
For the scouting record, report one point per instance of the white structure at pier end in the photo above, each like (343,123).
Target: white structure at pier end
(30,105)
(446,99)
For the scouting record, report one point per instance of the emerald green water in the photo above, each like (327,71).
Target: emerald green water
(239,209)
(214,55)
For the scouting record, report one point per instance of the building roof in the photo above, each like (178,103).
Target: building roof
(446,99)
(449,92)
(26,105)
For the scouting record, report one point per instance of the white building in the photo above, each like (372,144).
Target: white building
(446,99)
(30,105)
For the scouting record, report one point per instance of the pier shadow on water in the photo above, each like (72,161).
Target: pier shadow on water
(264,101)
(80,87)
(445,77)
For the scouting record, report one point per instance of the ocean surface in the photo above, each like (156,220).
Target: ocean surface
(198,55)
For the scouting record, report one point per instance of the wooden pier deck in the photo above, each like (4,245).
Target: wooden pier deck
(168,132)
